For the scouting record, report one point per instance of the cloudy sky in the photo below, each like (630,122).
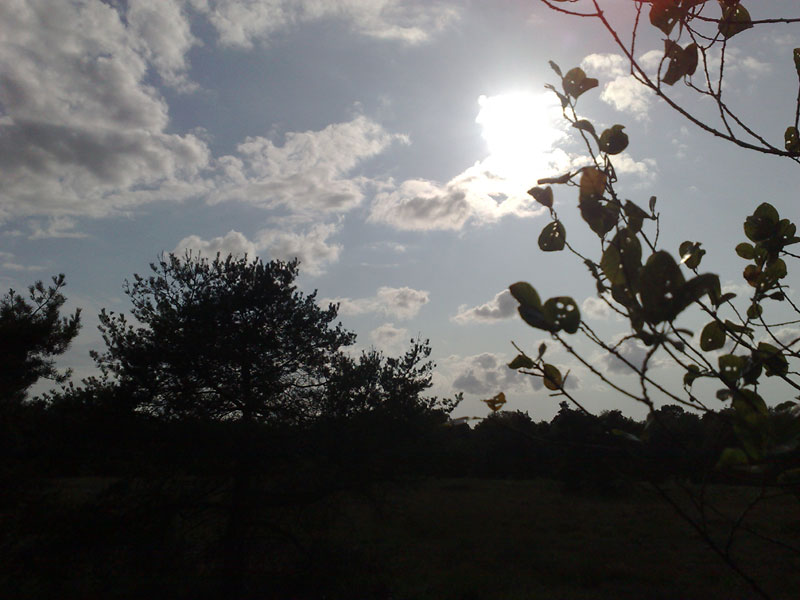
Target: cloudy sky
(386,143)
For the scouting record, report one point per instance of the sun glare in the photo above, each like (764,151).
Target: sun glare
(521,130)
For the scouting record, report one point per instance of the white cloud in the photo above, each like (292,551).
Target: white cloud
(620,90)
(389,339)
(8,262)
(56,227)
(232,242)
(645,169)
(487,374)
(309,173)
(164,37)
(594,308)
(82,133)
(311,247)
(402,303)
(502,306)
(245,22)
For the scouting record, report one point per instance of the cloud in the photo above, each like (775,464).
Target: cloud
(632,350)
(56,227)
(502,306)
(402,303)
(232,242)
(646,169)
(308,174)
(594,308)
(389,339)
(81,131)
(311,247)
(163,36)
(487,374)
(621,90)
(8,263)
(244,22)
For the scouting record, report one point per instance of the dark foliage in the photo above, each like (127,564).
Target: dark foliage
(32,333)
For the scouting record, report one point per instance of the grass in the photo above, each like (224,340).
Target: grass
(456,539)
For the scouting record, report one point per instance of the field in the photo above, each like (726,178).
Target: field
(459,539)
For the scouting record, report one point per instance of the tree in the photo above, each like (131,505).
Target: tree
(652,290)
(32,334)
(696,50)
(223,339)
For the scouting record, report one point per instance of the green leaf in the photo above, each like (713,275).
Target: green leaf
(660,284)
(575,82)
(543,196)
(691,254)
(732,457)
(775,362)
(754,311)
(692,373)
(586,126)
(563,313)
(622,259)
(535,318)
(745,250)
(524,293)
(521,362)
(735,19)
(762,224)
(552,377)
(740,329)
(613,140)
(682,61)
(652,204)
(712,337)
(555,68)
(730,367)
(696,288)
(553,237)
(791,140)
(723,298)
(635,215)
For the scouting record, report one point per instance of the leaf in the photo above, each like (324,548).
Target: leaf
(691,254)
(495,403)
(660,284)
(575,82)
(730,367)
(535,318)
(635,215)
(652,204)
(732,457)
(692,373)
(563,313)
(762,224)
(555,180)
(754,311)
(553,237)
(555,68)
(712,337)
(682,61)
(586,126)
(745,250)
(723,298)
(543,196)
(552,377)
(593,183)
(775,362)
(613,140)
(792,140)
(735,19)
(524,293)
(664,14)
(740,329)
(622,259)
(521,362)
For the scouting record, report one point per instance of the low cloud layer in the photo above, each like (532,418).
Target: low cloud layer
(502,306)
(401,303)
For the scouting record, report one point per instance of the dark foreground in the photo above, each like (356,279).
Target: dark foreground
(454,539)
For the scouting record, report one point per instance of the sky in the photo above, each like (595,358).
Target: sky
(387,144)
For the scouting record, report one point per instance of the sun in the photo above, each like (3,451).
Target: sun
(521,130)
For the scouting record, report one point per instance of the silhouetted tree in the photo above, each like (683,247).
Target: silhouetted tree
(32,333)
(224,339)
